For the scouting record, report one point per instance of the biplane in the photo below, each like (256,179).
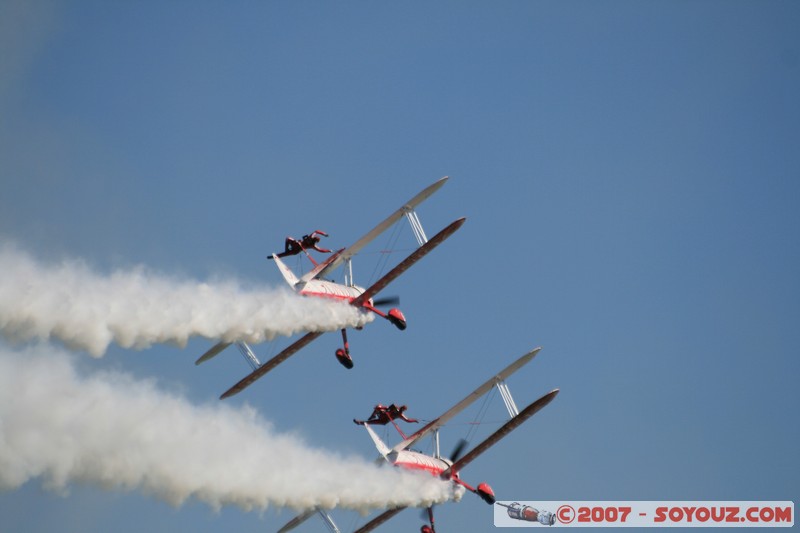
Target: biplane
(447,468)
(315,284)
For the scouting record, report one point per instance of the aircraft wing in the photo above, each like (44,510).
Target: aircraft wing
(378,520)
(504,430)
(383,226)
(469,400)
(272,363)
(297,520)
(404,265)
(214,350)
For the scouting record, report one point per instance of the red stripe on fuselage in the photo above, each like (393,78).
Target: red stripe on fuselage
(329,296)
(418,461)
(327,289)
(432,470)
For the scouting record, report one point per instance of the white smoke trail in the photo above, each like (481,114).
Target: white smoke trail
(136,308)
(115,432)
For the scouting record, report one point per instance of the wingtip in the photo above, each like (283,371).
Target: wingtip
(228,393)
(538,404)
(544,400)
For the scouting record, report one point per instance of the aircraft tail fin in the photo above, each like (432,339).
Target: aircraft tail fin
(383,449)
(287,273)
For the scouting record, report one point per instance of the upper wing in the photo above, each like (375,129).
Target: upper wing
(415,256)
(383,226)
(507,428)
(469,400)
(272,363)
(378,520)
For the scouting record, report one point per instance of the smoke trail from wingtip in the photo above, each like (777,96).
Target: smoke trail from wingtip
(136,308)
(112,431)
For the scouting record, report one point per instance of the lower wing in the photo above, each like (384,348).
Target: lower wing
(378,520)
(272,363)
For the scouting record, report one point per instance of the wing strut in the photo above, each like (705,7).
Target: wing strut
(405,264)
(326,518)
(506,428)
(502,386)
(416,226)
(467,401)
(383,226)
(248,354)
(299,519)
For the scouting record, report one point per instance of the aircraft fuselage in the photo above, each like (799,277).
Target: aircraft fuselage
(329,289)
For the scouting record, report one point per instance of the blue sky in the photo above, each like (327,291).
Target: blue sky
(630,176)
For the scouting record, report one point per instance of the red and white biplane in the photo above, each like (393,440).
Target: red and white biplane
(402,456)
(314,284)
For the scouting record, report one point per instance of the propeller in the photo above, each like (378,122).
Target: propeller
(389,300)
(458,450)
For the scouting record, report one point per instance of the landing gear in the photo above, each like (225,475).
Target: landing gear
(428,528)
(486,493)
(396,317)
(343,354)
(344,358)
